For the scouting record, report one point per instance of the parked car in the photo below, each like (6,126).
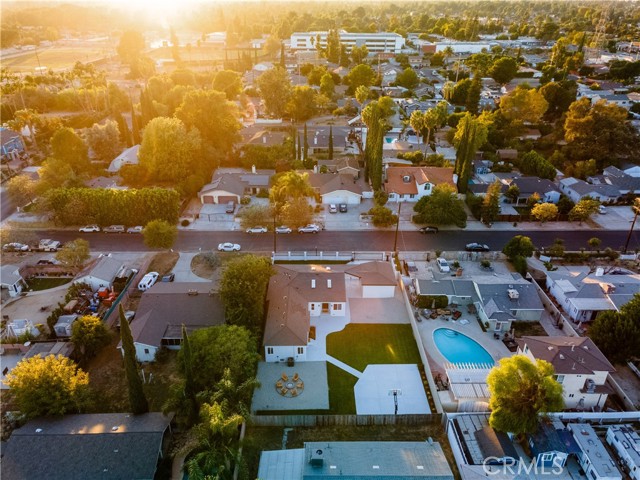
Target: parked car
(228,247)
(48,245)
(170,277)
(136,229)
(311,228)
(476,247)
(89,229)
(114,229)
(148,281)
(129,315)
(333,208)
(231,207)
(283,229)
(45,262)
(428,229)
(602,210)
(257,230)
(443,265)
(343,208)
(15,247)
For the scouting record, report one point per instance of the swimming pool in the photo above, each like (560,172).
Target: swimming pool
(458,348)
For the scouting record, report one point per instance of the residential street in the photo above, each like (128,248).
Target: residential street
(351,240)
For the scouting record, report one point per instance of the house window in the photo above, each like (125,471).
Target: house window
(300,350)
(337,306)
(571,395)
(146,350)
(412,196)
(560,378)
(427,187)
(313,307)
(270,350)
(547,457)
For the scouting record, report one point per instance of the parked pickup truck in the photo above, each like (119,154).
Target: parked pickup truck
(48,245)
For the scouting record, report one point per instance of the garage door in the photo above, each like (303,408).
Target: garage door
(207,199)
(224,199)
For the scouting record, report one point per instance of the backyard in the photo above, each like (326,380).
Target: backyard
(376,344)
(45,283)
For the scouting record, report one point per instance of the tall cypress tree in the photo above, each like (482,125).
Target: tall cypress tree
(282,62)
(294,140)
(135,128)
(125,134)
(330,143)
(147,107)
(306,143)
(189,385)
(299,157)
(137,400)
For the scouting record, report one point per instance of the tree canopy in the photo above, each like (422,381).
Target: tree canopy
(48,386)
(544,212)
(275,89)
(520,391)
(68,147)
(524,105)
(503,70)
(617,333)
(228,82)
(518,246)
(104,140)
(74,253)
(88,335)
(442,207)
(159,234)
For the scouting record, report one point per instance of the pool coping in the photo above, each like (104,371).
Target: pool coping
(470,338)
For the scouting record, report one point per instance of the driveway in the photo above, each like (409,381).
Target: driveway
(183,271)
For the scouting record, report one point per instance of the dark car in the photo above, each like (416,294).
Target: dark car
(170,277)
(429,229)
(477,247)
(342,207)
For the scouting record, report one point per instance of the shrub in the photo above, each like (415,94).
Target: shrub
(245,200)
(185,223)
(520,264)
(382,216)
(485,263)
(432,301)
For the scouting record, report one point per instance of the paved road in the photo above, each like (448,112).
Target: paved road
(7,205)
(350,240)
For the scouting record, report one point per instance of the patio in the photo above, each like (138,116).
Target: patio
(314,394)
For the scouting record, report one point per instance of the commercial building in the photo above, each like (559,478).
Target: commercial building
(382,42)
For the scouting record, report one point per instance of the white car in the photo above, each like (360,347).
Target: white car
(283,229)
(148,281)
(228,247)
(443,265)
(602,210)
(311,228)
(257,230)
(136,229)
(89,229)
(15,247)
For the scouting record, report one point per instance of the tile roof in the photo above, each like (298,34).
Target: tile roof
(568,355)
(111,446)
(396,178)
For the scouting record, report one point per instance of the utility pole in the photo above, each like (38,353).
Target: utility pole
(395,240)
(636,210)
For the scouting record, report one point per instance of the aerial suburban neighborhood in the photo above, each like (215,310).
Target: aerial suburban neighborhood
(299,240)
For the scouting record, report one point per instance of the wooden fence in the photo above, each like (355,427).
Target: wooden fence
(342,420)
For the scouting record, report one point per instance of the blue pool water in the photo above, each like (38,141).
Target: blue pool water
(458,348)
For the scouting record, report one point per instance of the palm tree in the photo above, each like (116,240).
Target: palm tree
(446,53)
(291,185)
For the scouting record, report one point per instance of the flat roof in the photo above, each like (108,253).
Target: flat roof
(591,446)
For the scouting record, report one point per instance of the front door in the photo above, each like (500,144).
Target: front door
(325,308)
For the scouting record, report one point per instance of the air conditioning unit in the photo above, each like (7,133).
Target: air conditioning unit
(317,458)
(513,294)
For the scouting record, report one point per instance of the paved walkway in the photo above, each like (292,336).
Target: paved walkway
(183,271)
(344,366)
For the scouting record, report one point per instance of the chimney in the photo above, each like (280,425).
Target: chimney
(313,283)
(264,139)
(599,272)
(253,169)
(315,140)
(315,168)
(328,283)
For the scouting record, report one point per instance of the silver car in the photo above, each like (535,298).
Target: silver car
(311,228)
(257,230)
(228,247)
(283,229)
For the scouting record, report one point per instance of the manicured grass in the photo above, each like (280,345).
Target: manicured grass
(359,345)
(37,284)
(528,329)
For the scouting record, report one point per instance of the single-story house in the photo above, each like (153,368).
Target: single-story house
(593,457)
(165,307)
(294,296)
(581,368)
(548,191)
(376,278)
(627,184)
(103,273)
(339,188)
(110,446)
(356,460)
(577,189)
(231,184)
(10,143)
(344,166)
(11,279)
(128,157)
(410,184)
(318,139)
(625,441)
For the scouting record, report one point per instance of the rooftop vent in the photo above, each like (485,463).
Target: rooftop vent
(38,430)
(513,294)
(317,458)
(561,357)
(313,283)
(406,178)
(114,429)
(599,272)
(328,283)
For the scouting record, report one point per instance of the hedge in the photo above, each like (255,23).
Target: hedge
(433,301)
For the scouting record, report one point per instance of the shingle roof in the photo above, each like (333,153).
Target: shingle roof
(568,355)
(535,185)
(113,446)
(374,273)
(107,268)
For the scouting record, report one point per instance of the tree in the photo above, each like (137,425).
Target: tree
(190,390)
(382,216)
(491,203)
(408,78)
(137,399)
(544,212)
(442,207)
(243,288)
(358,54)
(56,173)
(104,140)
(518,246)
(302,104)
(22,188)
(565,204)
(617,333)
(330,143)
(275,88)
(159,234)
(296,212)
(594,243)
(228,82)
(362,94)
(470,135)
(532,163)
(215,349)
(333,46)
(48,386)
(584,209)
(28,118)
(520,391)
(559,97)
(74,254)
(374,116)
(213,116)
(473,95)
(68,147)
(327,85)
(131,46)
(524,105)
(290,185)
(88,335)
(503,70)
(513,193)
(168,151)
(360,75)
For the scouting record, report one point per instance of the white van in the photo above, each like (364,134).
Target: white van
(443,265)
(148,281)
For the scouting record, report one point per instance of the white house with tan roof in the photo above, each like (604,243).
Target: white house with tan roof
(410,184)
(581,368)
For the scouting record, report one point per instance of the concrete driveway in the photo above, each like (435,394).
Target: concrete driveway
(183,271)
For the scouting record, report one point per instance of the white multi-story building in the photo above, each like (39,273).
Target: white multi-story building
(381,42)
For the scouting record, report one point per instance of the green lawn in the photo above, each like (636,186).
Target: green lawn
(36,284)
(359,345)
